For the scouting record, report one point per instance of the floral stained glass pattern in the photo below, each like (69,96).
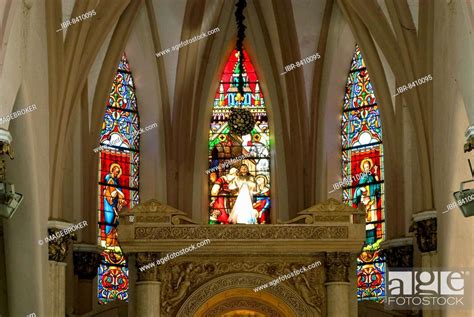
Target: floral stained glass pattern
(239,166)
(118,180)
(362,161)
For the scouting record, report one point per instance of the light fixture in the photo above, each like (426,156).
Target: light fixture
(469,146)
(465,197)
(241,121)
(9,199)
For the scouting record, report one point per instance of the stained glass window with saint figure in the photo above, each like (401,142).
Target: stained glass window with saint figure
(239,166)
(118,180)
(362,165)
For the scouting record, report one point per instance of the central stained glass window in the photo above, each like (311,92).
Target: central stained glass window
(362,167)
(118,181)
(239,166)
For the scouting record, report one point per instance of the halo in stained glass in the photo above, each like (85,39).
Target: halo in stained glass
(362,162)
(118,181)
(239,161)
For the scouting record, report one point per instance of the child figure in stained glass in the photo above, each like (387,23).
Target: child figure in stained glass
(368,178)
(368,195)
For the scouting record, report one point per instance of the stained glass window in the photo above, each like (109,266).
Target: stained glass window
(239,166)
(118,180)
(363,170)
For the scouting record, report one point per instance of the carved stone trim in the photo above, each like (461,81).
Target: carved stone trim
(244,232)
(426,234)
(331,210)
(243,303)
(157,212)
(150,273)
(243,280)
(337,266)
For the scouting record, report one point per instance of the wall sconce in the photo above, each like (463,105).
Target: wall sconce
(9,199)
(469,139)
(465,197)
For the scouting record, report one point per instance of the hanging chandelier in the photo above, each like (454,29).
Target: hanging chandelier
(241,121)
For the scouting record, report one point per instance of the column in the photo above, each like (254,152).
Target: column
(148,286)
(58,248)
(3,276)
(86,259)
(337,283)
(426,229)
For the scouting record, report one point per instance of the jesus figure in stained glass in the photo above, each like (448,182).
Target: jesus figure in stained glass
(243,211)
(243,198)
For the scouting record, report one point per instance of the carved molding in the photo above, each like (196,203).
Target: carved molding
(426,234)
(243,232)
(337,266)
(331,210)
(245,303)
(150,273)
(182,278)
(157,212)
(244,280)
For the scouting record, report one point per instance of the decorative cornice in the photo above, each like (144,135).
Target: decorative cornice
(58,224)
(423,215)
(86,247)
(156,212)
(331,210)
(156,227)
(337,266)
(398,242)
(241,232)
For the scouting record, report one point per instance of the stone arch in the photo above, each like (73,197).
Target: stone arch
(287,298)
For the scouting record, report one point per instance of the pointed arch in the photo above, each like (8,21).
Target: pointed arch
(363,174)
(118,184)
(239,164)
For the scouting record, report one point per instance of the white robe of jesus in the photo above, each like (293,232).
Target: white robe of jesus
(243,211)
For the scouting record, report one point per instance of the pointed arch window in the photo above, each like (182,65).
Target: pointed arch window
(239,166)
(118,180)
(363,168)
